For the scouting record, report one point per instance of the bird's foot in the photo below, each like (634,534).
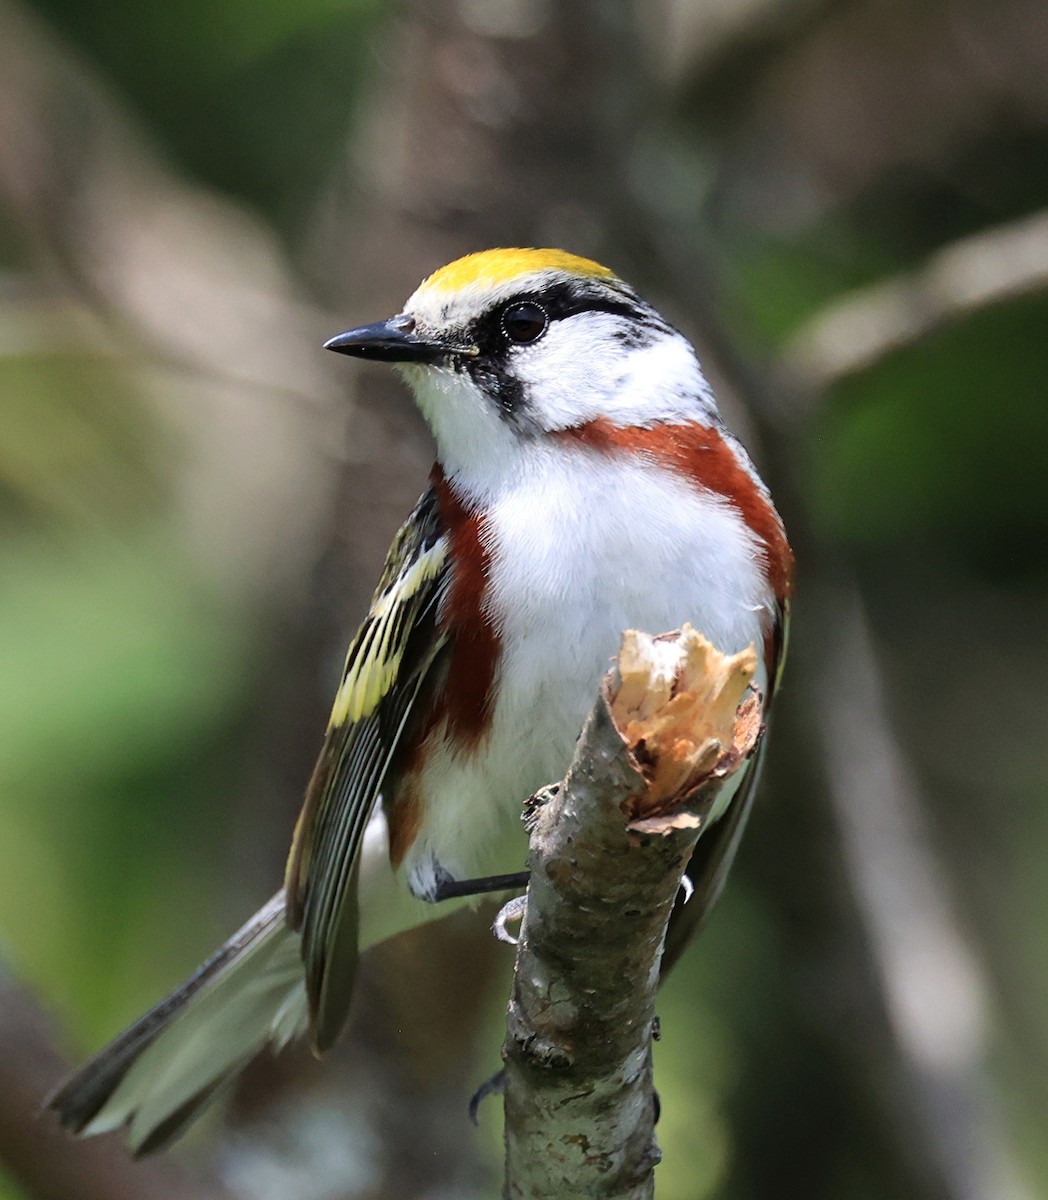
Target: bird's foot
(512,910)
(494,1086)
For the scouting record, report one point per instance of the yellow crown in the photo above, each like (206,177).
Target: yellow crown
(488,268)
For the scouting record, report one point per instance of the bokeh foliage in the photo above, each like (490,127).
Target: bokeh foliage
(140,679)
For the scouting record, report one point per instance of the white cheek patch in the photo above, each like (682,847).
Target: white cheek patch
(583,369)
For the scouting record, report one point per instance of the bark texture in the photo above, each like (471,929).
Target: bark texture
(608,848)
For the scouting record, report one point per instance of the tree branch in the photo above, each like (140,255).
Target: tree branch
(675,720)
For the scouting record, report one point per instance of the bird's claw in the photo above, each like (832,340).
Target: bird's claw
(512,910)
(494,1086)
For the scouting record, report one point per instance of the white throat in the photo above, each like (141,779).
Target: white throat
(484,450)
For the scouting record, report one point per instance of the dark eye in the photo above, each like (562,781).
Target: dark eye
(525,322)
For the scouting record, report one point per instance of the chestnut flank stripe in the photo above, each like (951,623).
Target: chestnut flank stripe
(461,709)
(468,691)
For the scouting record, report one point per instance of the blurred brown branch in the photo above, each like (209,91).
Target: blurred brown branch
(189,289)
(46,1161)
(935,988)
(857,331)
(608,849)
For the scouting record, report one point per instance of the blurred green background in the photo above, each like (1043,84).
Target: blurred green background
(845,204)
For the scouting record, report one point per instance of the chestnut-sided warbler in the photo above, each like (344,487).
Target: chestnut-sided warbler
(584,484)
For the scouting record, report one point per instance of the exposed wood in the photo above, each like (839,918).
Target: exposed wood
(675,720)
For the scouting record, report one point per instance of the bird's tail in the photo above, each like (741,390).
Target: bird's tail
(158,1075)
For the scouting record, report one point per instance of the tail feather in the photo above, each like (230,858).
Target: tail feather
(158,1075)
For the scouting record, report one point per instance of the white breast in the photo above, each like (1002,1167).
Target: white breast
(583,546)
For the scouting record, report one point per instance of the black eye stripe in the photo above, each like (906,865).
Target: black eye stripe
(504,334)
(568,298)
(496,366)
(559,301)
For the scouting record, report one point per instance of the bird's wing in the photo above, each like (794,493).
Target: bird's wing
(715,850)
(375,709)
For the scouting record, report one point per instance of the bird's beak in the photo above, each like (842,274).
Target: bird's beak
(395,341)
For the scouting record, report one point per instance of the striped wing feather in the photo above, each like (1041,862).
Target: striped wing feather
(374,712)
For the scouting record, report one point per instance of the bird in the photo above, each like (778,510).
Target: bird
(584,483)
